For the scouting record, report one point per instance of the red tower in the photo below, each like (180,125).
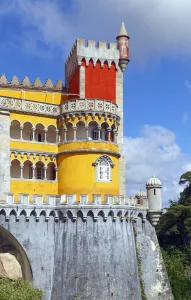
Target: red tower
(95,71)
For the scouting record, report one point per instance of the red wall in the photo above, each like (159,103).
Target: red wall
(74,84)
(100,82)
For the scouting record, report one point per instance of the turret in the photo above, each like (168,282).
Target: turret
(141,199)
(154,188)
(123,47)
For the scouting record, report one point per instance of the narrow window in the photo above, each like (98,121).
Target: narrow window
(39,173)
(39,137)
(95,135)
(154,192)
(30,173)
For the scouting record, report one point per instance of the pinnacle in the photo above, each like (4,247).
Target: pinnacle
(123,30)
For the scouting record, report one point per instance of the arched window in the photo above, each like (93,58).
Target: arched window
(39,174)
(103,168)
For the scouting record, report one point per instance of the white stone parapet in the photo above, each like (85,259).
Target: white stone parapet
(89,105)
(70,199)
(13,104)
(70,106)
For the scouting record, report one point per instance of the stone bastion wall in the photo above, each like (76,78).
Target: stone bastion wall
(88,253)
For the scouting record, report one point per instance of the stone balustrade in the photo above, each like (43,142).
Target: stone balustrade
(93,106)
(70,200)
(88,105)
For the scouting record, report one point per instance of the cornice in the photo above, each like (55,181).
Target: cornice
(117,154)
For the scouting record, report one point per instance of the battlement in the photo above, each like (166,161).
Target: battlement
(71,199)
(27,84)
(89,46)
(94,51)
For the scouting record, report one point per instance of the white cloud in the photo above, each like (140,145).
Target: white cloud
(160,27)
(155,152)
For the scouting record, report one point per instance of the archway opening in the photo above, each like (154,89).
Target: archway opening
(9,244)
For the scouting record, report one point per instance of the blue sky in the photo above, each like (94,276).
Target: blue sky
(37,35)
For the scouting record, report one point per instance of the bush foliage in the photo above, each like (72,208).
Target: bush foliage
(18,290)
(174,233)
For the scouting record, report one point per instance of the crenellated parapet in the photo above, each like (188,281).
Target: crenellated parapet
(90,50)
(27,84)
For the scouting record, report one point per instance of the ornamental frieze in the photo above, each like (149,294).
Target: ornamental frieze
(76,105)
(89,105)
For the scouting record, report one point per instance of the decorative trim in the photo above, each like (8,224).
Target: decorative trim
(76,106)
(33,142)
(20,151)
(25,83)
(117,154)
(88,105)
(66,213)
(34,180)
(38,108)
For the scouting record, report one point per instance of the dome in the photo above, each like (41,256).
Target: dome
(153,182)
(141,194)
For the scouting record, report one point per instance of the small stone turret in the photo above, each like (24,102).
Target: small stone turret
(123,47)
(154,188)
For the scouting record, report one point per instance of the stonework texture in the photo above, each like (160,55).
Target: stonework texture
(4,155)
(119,102)
(154,275)
(84,259)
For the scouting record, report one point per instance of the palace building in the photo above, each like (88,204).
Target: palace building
(64,143)
(64,212)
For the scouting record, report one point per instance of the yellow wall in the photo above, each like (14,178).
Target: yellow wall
(33,187)
(77,175)
(92,145)
(22,118)
(28,145)
(39,96)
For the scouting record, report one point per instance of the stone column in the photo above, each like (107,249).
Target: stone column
(21,173)
(74,128)
(45,172)
(21,132)
(33,173)
(65,134)
(56,170)
(99,133)
(45,134)
(87,131)
(57,136)
(109,134)
(33,133)
(115,135)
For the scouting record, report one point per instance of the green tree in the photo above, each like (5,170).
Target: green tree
(174,233)
(18,290)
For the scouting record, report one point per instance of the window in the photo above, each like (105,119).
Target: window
(104,171)
(103,168)
(39,137)
(39,173)
(154,192)
(30,172)
(95,135)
